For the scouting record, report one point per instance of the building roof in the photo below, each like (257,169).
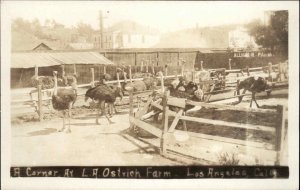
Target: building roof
(46,59)
(42,46)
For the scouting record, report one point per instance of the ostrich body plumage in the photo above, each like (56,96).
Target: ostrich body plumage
(253,85)
(104,94)
(64,97)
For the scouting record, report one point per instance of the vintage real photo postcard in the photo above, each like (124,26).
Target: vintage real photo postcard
(194,93)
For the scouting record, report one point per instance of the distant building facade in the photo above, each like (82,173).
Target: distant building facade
(127,35)
(243,45)
(239,38)
(253,52)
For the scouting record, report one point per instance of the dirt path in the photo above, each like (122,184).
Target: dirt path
(41,144)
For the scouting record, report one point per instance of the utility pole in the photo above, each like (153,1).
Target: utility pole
(101,29)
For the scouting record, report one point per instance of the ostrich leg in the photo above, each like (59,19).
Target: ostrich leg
(102,106)
(64,114)
(98,113)
(69,114)
(115,109)
(255,100)
(252,98)
(241,97)
(184,122)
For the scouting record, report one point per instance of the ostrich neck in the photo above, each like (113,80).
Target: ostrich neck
(125,77)
(55,86)
(162,82)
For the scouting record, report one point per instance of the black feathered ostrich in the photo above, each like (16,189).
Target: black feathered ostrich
(103,94)
(253,85)
(179,89)
(63,100)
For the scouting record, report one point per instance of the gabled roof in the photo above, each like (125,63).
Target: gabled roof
(41,46)
(46,59)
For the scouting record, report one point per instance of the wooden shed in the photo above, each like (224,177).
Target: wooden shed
(23,64)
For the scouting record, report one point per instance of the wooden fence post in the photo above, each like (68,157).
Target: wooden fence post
(182,67)
(40,102)
(63,70)
(153,71)
(247,70)
(236,92)
(36,71)
(201,66)
(162,82)
(130,75)
(229,64)
(166,70)
(125,77)
(142,65)
(118,79)
(280,135)
(147,64)
(131,102)
(74,69)
(93,77)
(104,69)
(270,71)
(165,124)
(280,73)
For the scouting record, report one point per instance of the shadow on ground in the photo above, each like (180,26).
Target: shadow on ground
(45,131)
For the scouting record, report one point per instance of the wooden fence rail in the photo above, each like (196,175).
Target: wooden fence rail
(166,130)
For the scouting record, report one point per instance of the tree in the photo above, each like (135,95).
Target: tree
(274,36)
(85,30)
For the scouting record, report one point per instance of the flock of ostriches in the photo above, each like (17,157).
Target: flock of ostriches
(105,94)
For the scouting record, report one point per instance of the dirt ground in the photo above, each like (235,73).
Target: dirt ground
(39,143)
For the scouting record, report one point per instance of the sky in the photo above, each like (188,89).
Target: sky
(162,15)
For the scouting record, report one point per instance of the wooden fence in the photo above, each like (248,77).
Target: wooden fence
(230,82)
(275,154)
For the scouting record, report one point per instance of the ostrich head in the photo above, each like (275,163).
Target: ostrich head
(119,69)
(174,83)
(182,80)
(54,73)
(159,74)
(199,94)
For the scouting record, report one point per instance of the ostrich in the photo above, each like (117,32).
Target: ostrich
(181,90)
(137,85)
(253,85)
(68,80)
(103,94)
(46,82)
(63,100)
